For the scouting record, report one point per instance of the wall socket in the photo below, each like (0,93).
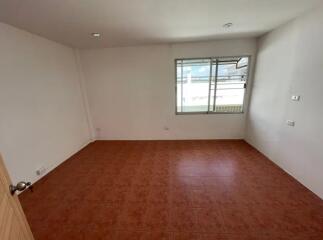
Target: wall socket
(296,97)
(290,123)
(41,171)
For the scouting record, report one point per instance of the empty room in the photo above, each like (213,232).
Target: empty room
(161,119)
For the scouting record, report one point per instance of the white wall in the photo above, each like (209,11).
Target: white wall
(42,116)
(131,92)
(290,61)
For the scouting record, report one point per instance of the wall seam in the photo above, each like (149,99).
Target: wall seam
(81,80)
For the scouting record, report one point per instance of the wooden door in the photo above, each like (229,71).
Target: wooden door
(13,223)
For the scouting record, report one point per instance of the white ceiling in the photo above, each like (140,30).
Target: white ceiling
(135,22)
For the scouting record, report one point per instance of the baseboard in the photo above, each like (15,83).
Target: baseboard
(50,168)
(283,169)
(172,139)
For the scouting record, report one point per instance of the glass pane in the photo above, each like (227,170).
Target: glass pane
(193,85)
(212,86)
(179,86)
(231,80)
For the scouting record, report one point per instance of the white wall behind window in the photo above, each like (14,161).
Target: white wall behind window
(290,62)
(131,92)
(42,116)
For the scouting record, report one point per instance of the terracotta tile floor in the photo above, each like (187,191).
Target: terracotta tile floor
(171,190)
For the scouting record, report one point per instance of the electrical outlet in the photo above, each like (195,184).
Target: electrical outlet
(290,123)
(41,171)
(296,97)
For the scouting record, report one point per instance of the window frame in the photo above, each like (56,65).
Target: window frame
(213,112)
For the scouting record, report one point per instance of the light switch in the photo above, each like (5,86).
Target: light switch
(296,97)
(290,123)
